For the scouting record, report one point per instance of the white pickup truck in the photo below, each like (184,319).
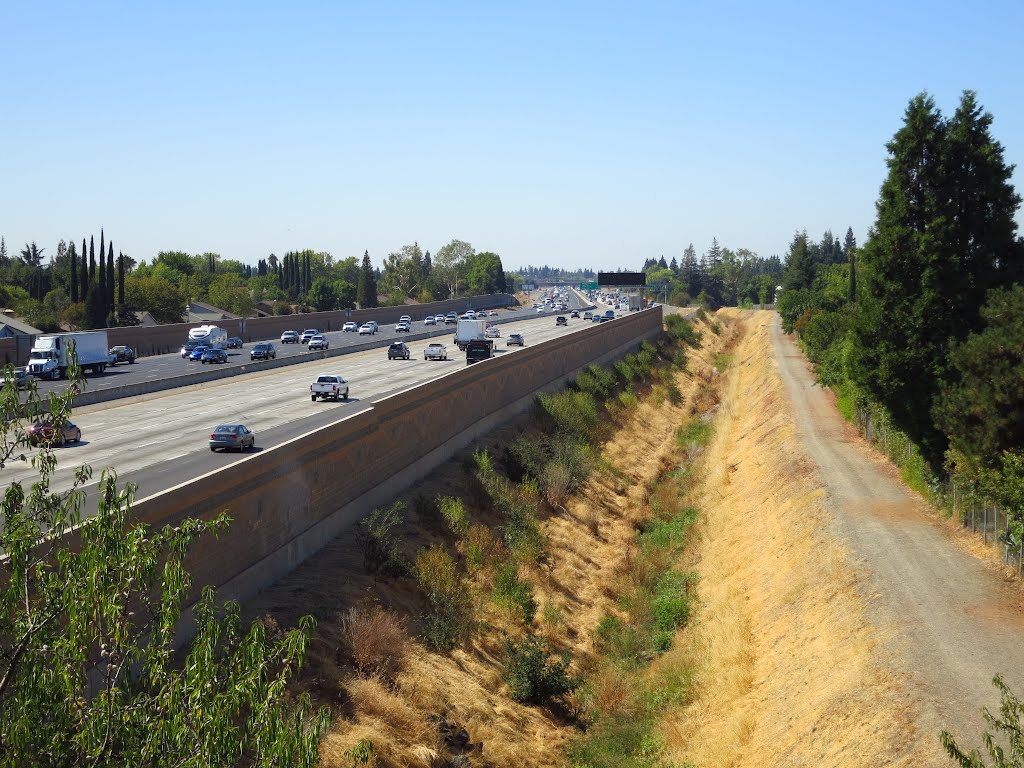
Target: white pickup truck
(435,351)
(329,385)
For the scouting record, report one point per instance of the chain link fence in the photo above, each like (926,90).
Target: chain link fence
(963,501)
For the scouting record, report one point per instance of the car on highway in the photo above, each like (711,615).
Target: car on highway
(263,351)
(515,340)
(440,319)
(308,334)
(367,330)
(21,377)
(435,350)
(228,436)
(350,327)
(398,350)
(214,355)
(492,332)
(405,319)
(189,347)
(540,309)
(574,313)
(45,431)
(430,320)
(197,353)
(451,319)
(492,313)
(234,342)
(561,320)
(402,327)
(329,385)
(290,337)
(122,354)
(588,315)
(318,342)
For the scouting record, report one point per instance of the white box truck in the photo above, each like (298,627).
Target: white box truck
(48,359)
(470,330)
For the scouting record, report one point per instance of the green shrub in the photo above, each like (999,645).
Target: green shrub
(450,619)
(667,535)
(534,674)
(525,457)
(454,513)
(682,329)
(696,432)
(478,547)
(628,399)
(382,551)
(671,606)
(514,593)
(570,410)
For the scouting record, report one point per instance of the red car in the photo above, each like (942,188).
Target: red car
(47,432)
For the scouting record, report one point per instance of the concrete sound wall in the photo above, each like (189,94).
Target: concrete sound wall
(289,501)
(161,339)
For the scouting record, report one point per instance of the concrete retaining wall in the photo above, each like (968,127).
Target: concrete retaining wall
(289,501)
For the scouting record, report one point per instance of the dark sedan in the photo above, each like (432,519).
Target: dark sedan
(47,432)
(236,436)
(122,354)
(263,352)
(214,355)
(398,351)
(234,343)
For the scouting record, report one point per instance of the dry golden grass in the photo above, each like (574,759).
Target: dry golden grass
(587,540)
(786,664)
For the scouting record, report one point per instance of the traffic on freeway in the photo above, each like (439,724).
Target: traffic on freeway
(163,439)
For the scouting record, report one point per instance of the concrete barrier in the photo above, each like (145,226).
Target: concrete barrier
(289,501)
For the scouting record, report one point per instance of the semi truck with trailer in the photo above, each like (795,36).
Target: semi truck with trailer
(49,356)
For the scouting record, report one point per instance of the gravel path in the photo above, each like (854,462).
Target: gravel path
(952,620)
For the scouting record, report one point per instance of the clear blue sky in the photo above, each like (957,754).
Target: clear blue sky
(567,134)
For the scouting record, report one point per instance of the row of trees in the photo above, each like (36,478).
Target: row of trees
(79,291)
(719,276)
(927,319)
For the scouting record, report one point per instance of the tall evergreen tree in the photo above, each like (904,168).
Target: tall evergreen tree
(799,272)
(366,291)
(83,285)
(944,235)
(109,293)
(3,253)
(101,278)
(92,261)
(73,282)
(427,265)
(690,269)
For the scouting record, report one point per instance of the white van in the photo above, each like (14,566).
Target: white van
(210,335)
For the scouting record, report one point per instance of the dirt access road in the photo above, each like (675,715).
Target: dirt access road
(952,620)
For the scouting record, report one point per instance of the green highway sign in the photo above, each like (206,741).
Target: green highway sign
(588,286)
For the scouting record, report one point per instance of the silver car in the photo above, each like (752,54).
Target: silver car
(235,436)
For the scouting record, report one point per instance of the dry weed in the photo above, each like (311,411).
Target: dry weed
(376,641)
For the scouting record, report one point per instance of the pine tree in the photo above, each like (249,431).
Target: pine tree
(92,263)
(674,265)
(366,291)
(73,282)
(691,271)
(944,235)
(799,272)
(102,256)
(3,253)
(101,279)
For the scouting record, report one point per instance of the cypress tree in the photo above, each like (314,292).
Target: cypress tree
(101,277)
(83,282)
(366,291)
(92,262)
(110,278)
(74,273)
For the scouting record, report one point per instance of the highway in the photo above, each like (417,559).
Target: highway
(170,365)
(160,440)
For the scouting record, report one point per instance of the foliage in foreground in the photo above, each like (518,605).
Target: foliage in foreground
(1008,726)
(89,674)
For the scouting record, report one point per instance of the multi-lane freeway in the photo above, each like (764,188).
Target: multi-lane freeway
(160,440)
